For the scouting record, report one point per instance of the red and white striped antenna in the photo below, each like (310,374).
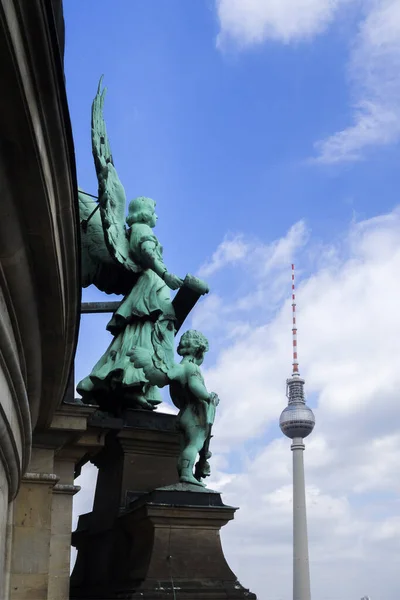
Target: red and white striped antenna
(294,327)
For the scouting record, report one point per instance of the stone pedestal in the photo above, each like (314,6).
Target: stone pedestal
(165,544)
(175,547)
(139,455)
(142,542)
(60,541)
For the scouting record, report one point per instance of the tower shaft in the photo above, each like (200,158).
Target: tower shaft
(301,568)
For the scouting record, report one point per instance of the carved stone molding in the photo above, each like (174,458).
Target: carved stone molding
(64,488)
(45,478)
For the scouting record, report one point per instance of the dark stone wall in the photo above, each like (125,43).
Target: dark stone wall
(56,6)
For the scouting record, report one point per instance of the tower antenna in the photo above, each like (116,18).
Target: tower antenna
(294,327)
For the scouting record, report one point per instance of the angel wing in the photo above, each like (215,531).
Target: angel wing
(158,372)
(112,196)
(98,266)
(143,359)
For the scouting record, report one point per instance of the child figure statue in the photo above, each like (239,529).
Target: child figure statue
(189,394)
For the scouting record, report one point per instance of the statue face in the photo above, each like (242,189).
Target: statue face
(199,359)
(153,219)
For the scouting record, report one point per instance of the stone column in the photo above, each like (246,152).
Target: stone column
(61,521)
(40,526)
(31,530)
(4,532)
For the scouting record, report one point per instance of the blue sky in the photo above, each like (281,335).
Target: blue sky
(219,139)
(267,131)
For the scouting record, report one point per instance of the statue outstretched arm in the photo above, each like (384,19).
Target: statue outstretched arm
(152,261)
(197,387)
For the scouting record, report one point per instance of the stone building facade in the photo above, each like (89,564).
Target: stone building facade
(40,437)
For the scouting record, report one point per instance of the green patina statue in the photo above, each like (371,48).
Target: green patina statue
(127,261)
(189,394)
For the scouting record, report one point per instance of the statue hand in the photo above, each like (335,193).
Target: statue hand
(173,281)
(214,398)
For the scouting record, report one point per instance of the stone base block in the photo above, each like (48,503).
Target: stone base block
(166,544)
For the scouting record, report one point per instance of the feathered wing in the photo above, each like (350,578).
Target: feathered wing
(143,359)
(98,266)
(112,196)
(158,372)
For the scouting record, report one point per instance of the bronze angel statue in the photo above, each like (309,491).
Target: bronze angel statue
(123,256)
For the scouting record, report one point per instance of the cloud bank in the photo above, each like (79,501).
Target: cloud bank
(348,336)
(348,350)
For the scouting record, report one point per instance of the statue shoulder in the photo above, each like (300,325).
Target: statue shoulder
(177,373)
(193,370)
(140,233)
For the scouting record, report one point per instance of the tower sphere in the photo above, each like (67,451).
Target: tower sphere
(297,420)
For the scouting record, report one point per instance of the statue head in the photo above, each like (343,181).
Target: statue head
(142,210)
(193,343)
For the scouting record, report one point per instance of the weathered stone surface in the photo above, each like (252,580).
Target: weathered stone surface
(136,458)
(31,534)
(166,540)
(40,523)
(186,487)
(29,587)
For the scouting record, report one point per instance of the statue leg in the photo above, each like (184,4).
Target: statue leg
(86,387)
(192,441)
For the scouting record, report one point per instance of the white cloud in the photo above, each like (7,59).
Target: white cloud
(83,500)
(374,77)
(348,336)
(280,252)
(207,315)
(259,261)
(167,408)
(373,66)
(346,309)
(348,348)
(230,251)
(254,255)
(249,22)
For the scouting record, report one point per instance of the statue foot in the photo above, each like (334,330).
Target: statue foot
(191,479)
(143,403)
(136,401)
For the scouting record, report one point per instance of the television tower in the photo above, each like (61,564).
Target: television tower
(297,422)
